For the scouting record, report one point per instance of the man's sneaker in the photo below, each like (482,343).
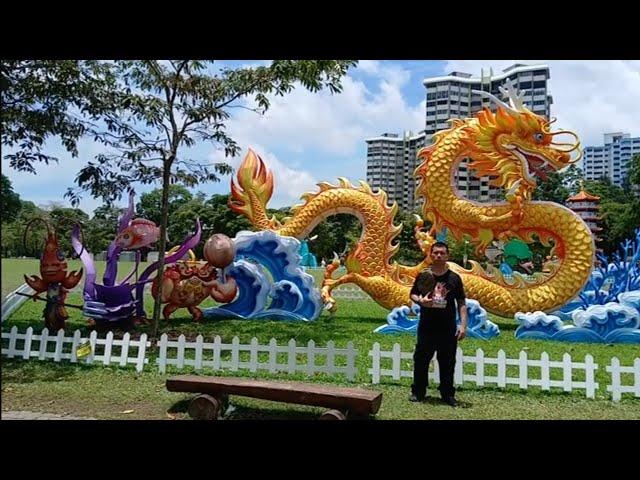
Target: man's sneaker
(415,398)
(450,401)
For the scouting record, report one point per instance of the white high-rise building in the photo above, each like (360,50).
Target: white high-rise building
(391,161)
(450,97)
(611,159)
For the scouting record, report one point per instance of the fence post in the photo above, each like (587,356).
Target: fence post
(522,370)
(397,361)
(217,349)
(124,350)
(459,369)
(44,339)
(235,353)
(57,356)
(636,377)
(615,379)
(351,360)
(142,351)
(311,356)
(331,352)
(544,371)
(74,346)
(566,372)
(108,344)
(375,363)
(162,356)
(26,353)
(253,355)
(180,354)
(198,362)
(291,361)
(480,367)
(273,355)
(502,369)
(589,370)
(12,341)
(93,338)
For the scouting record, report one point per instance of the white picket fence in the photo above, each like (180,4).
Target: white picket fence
(353,293)
(103,350)
(211,355)
(523,380)
(291,358)
(617,388)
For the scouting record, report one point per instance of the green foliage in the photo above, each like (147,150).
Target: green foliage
(13,233)
(157,109)
(43,99)
(459,248)
(338,233)
(63,220)
(150,204)
(102,228)
(9,200)
(633,173)
(559,185)
(409,253)
(619,209)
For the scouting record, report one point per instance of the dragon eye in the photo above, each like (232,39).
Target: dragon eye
(60,255)
(538,137)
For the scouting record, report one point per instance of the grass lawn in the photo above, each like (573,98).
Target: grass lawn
(106,392)
(13,270)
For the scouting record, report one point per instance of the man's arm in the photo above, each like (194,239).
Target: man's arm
(415,295)
(462,310)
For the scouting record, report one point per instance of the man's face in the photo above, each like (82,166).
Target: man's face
(439,255)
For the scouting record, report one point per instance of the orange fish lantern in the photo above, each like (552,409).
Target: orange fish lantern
(140,233)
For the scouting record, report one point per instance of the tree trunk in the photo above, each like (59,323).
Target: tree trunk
(166,174)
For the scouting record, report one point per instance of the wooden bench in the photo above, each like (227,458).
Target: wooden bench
(214,393)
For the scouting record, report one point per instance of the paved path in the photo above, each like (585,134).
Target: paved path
(16,415)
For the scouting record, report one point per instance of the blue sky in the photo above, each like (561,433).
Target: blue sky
(306,138)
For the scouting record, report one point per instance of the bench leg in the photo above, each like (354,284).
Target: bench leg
(224,402)
(204,407)
(333,415)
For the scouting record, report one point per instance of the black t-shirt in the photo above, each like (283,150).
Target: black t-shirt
(445,289)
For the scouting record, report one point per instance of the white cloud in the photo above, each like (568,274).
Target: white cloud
(590,97)
(324,133)
(333,124)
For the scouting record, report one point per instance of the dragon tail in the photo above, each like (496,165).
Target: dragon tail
(249,197)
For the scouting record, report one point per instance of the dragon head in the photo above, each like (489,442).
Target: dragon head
(515,145)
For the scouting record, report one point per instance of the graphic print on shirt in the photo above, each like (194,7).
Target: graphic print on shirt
(440,295)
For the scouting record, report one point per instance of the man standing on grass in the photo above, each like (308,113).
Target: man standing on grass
(435,290)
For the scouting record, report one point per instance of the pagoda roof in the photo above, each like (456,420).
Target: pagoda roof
(581,196)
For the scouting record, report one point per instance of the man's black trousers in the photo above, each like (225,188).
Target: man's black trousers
(445,343)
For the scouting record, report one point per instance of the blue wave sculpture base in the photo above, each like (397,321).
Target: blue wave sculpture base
(271,281)
(402,320)
(613,322)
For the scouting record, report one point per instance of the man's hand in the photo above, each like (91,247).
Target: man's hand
(461,332)
(426,301)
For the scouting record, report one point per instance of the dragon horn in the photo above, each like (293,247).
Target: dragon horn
(515,98)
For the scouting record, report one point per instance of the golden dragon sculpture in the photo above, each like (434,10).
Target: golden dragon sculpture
(512,147)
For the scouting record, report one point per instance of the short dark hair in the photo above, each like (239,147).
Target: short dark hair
(440,244)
